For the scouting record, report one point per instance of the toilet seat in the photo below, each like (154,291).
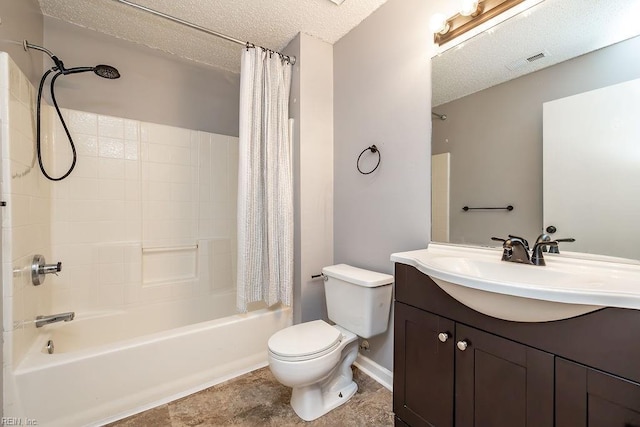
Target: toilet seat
(304,341)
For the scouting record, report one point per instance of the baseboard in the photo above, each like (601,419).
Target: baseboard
(379,373)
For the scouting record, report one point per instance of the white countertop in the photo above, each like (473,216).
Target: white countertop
(585,280)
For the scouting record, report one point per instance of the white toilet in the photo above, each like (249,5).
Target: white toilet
(314,358)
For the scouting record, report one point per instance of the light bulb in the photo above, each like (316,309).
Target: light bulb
(438,23)
(468,7)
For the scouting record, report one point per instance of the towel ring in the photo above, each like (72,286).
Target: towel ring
(373,149)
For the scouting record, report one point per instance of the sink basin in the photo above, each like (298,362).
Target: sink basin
(566,287)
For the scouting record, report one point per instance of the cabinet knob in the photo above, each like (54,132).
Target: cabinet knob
(443,336)
(462,345)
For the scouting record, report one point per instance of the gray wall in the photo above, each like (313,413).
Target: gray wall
(495,140)
(382,96)
(154,87)
(22,20)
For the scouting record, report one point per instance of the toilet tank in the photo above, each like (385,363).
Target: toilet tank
(358,300)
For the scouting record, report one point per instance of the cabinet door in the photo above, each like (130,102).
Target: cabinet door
(423,368)
(586,397)
(501,383)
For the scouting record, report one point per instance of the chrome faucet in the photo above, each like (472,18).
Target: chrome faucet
(53,318)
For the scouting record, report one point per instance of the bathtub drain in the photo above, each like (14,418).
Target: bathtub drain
(50,347)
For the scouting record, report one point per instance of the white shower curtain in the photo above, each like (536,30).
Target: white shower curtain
(265,181)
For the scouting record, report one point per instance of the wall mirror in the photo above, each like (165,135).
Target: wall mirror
(488,151)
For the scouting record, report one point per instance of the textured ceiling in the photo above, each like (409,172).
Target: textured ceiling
(269,23)
(564,28)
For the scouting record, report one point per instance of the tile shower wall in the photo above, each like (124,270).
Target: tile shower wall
(148,214)
(25,220)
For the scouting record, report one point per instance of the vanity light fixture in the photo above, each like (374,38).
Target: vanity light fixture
(471,14)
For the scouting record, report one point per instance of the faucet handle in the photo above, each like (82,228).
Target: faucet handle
(555,250)
(497,239)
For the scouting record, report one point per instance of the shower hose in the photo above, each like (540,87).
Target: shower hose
(64,125)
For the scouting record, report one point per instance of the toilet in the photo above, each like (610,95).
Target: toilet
(314,358)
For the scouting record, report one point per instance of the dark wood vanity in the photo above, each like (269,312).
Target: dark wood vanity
(454,366)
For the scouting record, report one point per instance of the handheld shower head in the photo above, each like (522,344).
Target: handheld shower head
(106,71)
(101,70)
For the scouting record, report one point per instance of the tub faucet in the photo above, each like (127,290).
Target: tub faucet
(53,318)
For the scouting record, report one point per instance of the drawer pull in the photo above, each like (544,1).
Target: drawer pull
(444,336)
(462,345)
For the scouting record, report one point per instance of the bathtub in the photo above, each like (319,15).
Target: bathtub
(109,365)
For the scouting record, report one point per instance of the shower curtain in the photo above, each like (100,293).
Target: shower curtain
(265,181)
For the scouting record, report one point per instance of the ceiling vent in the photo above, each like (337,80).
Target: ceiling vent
(528,60)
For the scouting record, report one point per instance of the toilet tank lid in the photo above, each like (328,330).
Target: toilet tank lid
(357,276)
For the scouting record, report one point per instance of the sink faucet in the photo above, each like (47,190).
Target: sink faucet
(516,249)
(53,318)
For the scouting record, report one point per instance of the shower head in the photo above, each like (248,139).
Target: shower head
(105,71)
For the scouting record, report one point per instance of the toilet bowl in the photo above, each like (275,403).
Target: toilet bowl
(318,368)
(314,358)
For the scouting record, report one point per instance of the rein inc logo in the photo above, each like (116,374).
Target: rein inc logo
(17,421)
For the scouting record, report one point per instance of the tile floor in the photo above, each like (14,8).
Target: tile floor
(257,399)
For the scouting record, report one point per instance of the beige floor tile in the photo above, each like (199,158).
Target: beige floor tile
(257,399)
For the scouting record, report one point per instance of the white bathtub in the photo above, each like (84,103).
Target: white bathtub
(87,382)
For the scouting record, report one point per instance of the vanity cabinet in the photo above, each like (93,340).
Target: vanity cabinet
(456,367)
(449,374)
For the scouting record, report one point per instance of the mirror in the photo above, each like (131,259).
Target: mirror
(492,90)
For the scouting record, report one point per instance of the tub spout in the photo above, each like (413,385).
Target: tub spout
(53,318)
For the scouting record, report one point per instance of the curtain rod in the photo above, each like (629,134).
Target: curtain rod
(291,59)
